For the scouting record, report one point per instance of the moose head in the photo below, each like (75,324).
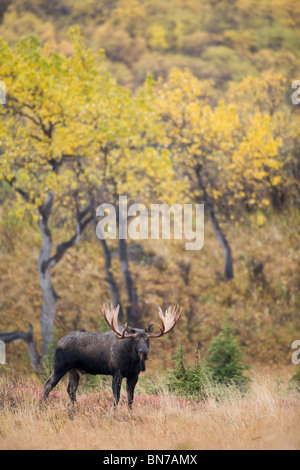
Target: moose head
(141,338)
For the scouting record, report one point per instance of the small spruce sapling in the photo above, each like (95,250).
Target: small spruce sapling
(225,360)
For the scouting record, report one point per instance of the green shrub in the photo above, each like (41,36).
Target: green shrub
(189,381)
(224,359)
(295,379)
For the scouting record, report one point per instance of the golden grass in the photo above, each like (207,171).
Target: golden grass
(267,418)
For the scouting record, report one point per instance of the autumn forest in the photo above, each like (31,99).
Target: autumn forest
(181,102)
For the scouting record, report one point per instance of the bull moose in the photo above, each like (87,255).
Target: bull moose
(121,352)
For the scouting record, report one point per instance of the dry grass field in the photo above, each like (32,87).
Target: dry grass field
(267,417)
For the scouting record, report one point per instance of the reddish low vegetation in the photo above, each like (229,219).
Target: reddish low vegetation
(267,417)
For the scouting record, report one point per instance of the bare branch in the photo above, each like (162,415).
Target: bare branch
(13,336)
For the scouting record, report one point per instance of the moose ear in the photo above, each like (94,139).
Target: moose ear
(150,328)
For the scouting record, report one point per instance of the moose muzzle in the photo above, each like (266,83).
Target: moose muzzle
(143,352)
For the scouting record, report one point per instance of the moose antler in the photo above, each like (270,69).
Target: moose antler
(168,320)
(111,316)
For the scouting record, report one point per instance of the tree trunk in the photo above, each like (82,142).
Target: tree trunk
(110,278)
(48,309)
(228,270)
(49,296)
(46,262)
(132,309)
(114,291)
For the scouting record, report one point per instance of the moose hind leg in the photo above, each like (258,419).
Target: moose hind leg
(73,384)
(53,380)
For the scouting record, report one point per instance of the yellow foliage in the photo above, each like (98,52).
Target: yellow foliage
(236,156)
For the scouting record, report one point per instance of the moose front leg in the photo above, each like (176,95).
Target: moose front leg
(131,383)
(116,387)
